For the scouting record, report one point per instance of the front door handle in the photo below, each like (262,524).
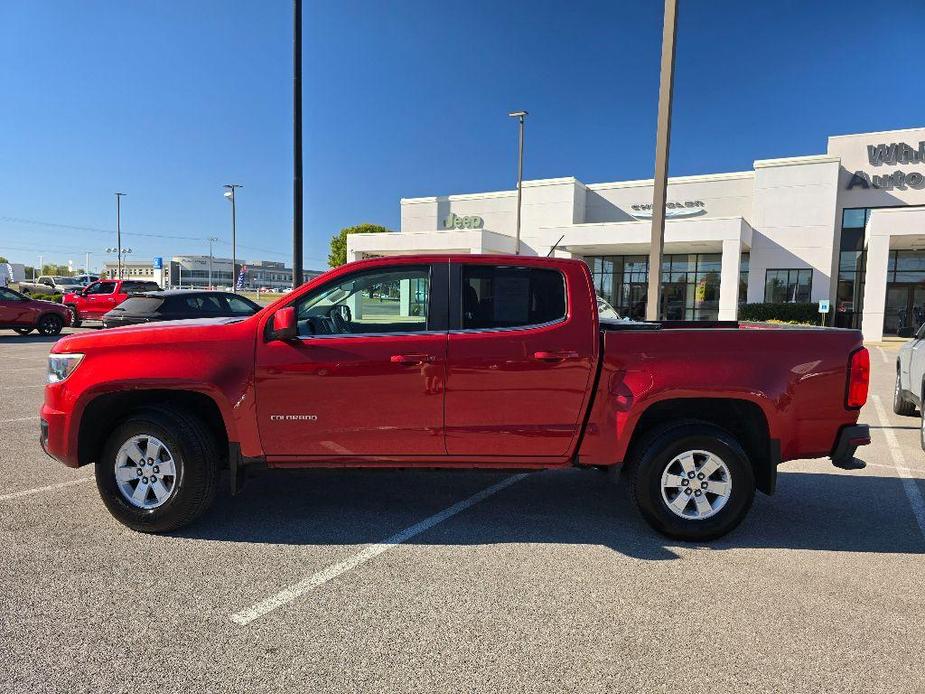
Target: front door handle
(555,356)
(410,358)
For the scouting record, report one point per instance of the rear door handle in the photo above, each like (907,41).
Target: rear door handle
(555,356)
(410,358)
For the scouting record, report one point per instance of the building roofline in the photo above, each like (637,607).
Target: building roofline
(876,132)
(790,161)
(696,178)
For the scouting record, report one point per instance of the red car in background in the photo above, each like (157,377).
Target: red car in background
(24,315)
(101,297)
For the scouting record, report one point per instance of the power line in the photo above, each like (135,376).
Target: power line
(96,230)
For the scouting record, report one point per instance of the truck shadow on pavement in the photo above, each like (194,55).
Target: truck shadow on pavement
(858,512)
(28,339)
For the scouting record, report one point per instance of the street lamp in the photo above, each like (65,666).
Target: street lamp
(119,253)
(119,197)
(520,116)
(229,193)
(211,239)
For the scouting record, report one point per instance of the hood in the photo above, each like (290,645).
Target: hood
(172,332)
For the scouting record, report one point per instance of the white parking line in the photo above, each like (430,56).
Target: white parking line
(883,355)
(893,467)
(39,490)
(39,385)
(334,570)
(19,419)
(912,491)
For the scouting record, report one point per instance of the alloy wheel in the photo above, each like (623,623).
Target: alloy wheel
(146,473)
(696,485)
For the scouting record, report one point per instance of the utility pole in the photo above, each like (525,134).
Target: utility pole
(662,141)
(211,239)
(297,224)
(229,193)
(520,115)
(119,234)
(87,264)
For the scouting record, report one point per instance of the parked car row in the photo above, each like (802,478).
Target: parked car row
(114,303)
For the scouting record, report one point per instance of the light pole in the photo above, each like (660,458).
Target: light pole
(297,225)
(119,233)
(520,116)
(211,239)
(229,193)
(662,140)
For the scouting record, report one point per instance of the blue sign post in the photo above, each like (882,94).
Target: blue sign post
(158,263)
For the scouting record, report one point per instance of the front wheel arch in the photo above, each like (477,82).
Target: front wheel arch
(107,410)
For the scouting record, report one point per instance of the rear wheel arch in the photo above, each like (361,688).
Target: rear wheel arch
(105,412)
(744,420)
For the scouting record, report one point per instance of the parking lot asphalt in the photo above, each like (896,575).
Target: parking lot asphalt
(549,582)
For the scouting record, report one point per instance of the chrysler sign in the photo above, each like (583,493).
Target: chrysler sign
(687,208)
(891,155)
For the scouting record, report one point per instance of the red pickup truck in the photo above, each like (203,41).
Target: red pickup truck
(91,302)
(453,362)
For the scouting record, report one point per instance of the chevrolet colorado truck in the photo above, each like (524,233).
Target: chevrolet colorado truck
(452,361)
(100,297)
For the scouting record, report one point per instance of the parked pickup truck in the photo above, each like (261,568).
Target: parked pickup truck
(96,299)
(49,284)
(453,362)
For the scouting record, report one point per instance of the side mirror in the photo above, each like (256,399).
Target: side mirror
(284,324)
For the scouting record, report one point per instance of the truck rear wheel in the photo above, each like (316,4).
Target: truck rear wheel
(692,481)
(158,471)
(901,406)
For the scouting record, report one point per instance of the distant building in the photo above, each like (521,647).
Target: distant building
(192,272)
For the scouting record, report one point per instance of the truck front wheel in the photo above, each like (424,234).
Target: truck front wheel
(692,481)
(158,470)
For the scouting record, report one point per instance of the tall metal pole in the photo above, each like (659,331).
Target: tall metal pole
(229,193)
(662,141)
(520,115)
(297,224)
(119,234)
(211,239)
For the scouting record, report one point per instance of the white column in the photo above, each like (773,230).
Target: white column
(878,255)
(729,279)
(404,293)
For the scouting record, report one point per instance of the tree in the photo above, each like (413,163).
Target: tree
(338,254)
(3,260)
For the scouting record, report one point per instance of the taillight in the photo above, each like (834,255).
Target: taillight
(858,379)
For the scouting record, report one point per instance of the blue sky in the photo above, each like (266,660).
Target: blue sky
(168,100)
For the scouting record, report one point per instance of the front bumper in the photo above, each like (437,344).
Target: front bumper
(849,439)
(54,433)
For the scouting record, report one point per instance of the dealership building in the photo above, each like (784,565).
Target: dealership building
(847,226)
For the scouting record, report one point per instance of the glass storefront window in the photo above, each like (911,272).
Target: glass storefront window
(788,286)
(690,284)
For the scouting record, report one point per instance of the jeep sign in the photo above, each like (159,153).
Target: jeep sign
(453,221)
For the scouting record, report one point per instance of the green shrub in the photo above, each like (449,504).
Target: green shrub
(785,313)
(47,297)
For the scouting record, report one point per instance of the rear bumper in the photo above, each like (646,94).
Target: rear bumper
(847,443)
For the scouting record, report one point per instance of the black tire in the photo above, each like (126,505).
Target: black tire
(901,405)
(23,331)
(50,324)
(75,319)
(656,453)
(196,457)
(922,427)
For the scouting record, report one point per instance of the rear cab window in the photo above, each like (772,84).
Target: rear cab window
(498,298)
(101,288)
(140,286)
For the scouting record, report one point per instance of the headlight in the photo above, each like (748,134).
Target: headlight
(60,366)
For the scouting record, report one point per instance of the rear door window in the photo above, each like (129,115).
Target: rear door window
(203,303)
(136,287)
(510,297)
